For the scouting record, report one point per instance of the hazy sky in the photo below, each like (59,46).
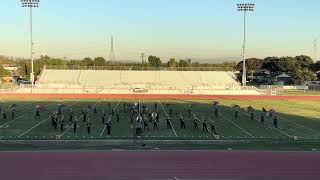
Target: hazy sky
(198,29)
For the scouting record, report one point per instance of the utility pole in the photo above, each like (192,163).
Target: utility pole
(31,4)
(111,56)
(244,7)
(315,50)
(142,58)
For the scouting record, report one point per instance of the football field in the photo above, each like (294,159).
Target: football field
(296,119)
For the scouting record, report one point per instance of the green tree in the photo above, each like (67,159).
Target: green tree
(87,62)
(272,64)
(305,75)
(172,62)
(252,64)
(100,61)
(4,72)
(183,63)
(154,61)
(304,61)
(316,66)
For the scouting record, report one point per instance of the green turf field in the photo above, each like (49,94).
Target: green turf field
(296,118)
(309,92)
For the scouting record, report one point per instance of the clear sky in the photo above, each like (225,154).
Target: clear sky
(197,29)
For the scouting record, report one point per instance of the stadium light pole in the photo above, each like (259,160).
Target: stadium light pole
(244,7)
(315,49)
(31,4)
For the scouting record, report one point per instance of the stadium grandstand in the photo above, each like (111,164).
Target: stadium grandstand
(131,80)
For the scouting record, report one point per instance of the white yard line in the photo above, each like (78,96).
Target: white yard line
(19,107)
(168,117)
(78,119)
(105,126)
(292,113)
(200,121)
(243,130)
(278,130)
(298,124)
(43,121)
(247,131)
(23,115)
(283,132)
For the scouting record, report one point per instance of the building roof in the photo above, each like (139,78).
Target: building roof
(283,76)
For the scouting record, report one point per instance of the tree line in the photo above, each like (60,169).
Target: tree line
(24,65)
(300,67)
(294,66)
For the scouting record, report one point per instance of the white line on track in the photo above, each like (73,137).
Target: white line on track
(105,126)
(43,121)
(168,117)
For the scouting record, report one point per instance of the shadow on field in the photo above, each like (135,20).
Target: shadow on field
(25,126)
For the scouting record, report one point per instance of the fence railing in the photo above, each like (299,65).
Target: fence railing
(138,68)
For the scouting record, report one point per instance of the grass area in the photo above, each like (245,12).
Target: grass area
(301,92)
(296,118)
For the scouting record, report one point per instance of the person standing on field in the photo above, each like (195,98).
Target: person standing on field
(108,124)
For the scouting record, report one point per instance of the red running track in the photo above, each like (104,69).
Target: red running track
(135,165)
(153,96)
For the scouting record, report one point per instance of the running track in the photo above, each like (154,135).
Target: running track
(134,165)
(153,96)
